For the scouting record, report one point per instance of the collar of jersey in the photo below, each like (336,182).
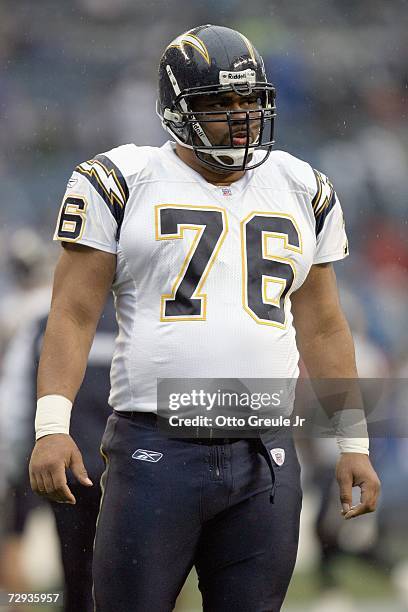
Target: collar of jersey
(216,190)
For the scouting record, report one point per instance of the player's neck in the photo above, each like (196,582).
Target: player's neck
(211,176)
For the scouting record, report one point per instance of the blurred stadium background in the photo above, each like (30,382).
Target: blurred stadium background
(79,77)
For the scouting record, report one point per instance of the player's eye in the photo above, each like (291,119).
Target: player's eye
(218,104)
(203,105)
(253,101)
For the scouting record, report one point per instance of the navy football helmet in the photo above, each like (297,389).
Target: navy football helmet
(213,60)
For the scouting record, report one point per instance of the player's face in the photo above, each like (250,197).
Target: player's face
(218,130)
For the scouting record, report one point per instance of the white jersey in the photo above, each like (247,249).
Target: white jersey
(204,273)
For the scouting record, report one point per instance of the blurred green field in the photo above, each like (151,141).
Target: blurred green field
(366,586)
(357,579)
(370,587)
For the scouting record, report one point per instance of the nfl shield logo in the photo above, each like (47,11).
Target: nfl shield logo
(278,455)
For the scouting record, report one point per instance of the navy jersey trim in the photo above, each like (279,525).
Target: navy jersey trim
(107,179)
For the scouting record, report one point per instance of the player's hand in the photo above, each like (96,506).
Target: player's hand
(50,458)
(355,470)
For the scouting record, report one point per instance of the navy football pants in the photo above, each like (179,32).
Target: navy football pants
(200,504)
(76,531)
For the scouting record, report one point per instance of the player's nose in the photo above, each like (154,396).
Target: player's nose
(240,114)
(237,106)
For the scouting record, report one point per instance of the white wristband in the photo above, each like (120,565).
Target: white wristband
(351,431)
(53,415)
(353,445)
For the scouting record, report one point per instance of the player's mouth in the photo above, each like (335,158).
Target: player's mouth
(240,139)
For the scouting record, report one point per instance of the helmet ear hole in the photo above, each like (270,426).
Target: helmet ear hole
(180,131)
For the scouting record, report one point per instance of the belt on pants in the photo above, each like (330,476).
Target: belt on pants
(150,418)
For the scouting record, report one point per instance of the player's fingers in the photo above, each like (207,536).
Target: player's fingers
(40,490)
(358,510)
(354,511)
(369,495)
(33,481)
(48,484)
(63,493)
(79,470)
(345,487)
(36,480)
(370,490)
(45,487)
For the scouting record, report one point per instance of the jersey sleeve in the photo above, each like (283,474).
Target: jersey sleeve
(331,238)
(93,206)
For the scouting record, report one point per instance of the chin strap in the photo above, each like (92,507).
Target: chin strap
(236,155)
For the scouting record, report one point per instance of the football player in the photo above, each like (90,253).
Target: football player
(217,249)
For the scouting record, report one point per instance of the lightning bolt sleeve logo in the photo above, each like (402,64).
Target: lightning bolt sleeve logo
(109,182)
(323,201)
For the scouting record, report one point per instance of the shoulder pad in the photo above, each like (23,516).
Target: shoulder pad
(130,158)
(112,173)
(302,177)
(297,172)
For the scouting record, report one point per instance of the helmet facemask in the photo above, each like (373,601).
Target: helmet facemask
(255,126)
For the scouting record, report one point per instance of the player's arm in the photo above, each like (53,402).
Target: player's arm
(326,346)
(323,336)
(83,277)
